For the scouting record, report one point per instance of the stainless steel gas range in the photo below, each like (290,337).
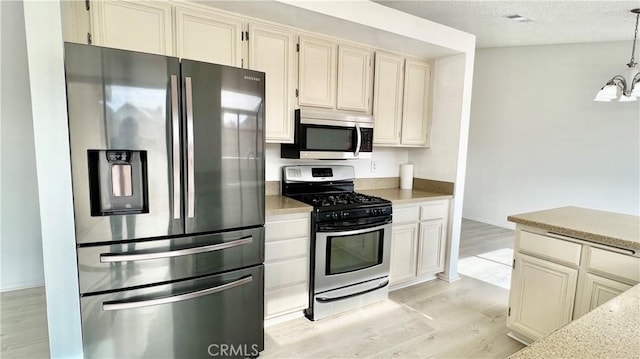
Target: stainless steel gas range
(350,239)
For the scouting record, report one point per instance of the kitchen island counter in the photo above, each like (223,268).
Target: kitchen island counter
(608,228)
(609,331)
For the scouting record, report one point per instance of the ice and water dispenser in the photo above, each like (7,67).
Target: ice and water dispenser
(118,182)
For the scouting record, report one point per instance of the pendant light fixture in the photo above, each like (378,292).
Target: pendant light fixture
(620,87)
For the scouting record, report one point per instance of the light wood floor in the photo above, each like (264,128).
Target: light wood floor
(464,319)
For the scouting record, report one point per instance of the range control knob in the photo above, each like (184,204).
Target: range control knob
(335,215)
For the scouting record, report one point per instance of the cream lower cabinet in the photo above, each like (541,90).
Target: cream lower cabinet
(418,243)
(557,279)
(596,291)
(542,296)
(286,262)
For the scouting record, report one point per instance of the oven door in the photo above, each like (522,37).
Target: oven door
(349,256)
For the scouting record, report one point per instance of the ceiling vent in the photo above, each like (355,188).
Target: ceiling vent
(519,18)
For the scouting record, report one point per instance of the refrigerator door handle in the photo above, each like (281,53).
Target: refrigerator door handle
(115,258)
(175,144)
(190,150)
(119,305)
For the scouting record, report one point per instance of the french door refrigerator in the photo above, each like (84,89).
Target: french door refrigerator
(167,160)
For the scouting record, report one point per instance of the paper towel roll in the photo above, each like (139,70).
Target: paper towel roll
(406,176)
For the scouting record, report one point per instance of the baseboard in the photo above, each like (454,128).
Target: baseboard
(21,285)
(521,338)
(411,282)
(448,279)
(505,225)
(283,318)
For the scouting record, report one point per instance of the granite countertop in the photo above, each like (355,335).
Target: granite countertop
(614,229)
(276,204)
(399,196)
(609,331)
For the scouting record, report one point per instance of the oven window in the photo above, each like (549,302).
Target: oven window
(329,139)
(351,253)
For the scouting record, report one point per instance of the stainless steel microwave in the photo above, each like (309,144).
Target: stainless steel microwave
(330,135)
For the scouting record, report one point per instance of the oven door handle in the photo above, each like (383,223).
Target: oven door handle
(354,232)
(369,226)
(324,299)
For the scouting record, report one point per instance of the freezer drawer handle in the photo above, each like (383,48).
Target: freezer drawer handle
(112,257)
(119,305)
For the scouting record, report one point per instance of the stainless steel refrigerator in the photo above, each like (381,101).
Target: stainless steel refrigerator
(167,160)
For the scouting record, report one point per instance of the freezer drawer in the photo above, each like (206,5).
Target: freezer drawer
(118,266)
(195,318)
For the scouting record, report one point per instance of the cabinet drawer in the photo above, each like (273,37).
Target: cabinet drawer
(405,214)
(547,247)
(615,264)
(292,228)
(287,248)
(285,273)
(286,300)
(434,210)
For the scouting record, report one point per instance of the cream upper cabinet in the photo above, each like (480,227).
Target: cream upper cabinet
(272,50)
(133,25)
(387,100)
(354,79)
(416,115)
(401,101)
(317,72)
(209,36)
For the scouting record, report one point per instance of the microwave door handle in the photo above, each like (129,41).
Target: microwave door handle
(359,134)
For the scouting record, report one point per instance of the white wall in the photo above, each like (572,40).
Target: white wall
(20,241)
(440,160)
(538,141)
(387,160)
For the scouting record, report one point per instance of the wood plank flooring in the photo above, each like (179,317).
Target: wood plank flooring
(464,319)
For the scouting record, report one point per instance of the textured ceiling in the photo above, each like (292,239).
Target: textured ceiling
(555,21)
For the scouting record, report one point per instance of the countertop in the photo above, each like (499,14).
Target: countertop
(610,331)
(277,204)
(614,229)
(399,196)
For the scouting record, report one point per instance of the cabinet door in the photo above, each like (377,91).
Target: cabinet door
(354,78)
(415,119)
(387,98)
(403,253)
(542,296)
(596,291)
(432,246)
(133,25)
(317,72)
(208,36)
(272,50)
